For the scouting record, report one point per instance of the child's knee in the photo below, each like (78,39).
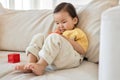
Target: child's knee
(54,36)
(37,40)
(38,37)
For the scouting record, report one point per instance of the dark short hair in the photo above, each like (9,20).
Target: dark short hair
(67,7)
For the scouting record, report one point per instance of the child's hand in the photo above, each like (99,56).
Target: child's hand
(58,31)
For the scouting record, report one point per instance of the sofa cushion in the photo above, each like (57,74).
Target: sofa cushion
(90,19)
(86,71)
(18,27)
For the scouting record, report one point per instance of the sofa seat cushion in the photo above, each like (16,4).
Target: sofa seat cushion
(86,71)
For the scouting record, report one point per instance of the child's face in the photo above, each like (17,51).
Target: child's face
(64,21)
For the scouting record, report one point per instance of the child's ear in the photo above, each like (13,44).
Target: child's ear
(75,20)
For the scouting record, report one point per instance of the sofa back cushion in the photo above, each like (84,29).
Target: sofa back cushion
(18,27)
(90,21)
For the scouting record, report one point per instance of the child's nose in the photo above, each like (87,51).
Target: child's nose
(61,25)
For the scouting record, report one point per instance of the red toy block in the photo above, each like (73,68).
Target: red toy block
(13,58)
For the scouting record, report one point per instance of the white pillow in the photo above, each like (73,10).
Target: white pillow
(18,27)
(90,19)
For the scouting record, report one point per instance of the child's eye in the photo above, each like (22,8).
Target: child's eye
(57,23)
(64,22)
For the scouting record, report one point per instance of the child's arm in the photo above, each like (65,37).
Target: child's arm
(76,46)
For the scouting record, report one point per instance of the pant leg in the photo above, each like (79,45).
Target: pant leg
(35,45)
(59,52)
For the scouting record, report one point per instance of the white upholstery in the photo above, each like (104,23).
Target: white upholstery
(110,45)
(87,71)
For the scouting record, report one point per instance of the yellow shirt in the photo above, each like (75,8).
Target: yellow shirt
(77,35)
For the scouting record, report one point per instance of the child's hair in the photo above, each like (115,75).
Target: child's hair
(67,7)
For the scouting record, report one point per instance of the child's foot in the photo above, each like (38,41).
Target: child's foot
(21,67)
(37,69)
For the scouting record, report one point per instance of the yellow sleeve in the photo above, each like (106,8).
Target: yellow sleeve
(82,39)
(69,34)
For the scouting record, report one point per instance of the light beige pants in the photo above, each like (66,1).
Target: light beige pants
(56,50)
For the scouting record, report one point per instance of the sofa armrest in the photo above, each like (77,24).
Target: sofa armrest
(110,45)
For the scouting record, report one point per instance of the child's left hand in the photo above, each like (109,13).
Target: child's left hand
(57,31)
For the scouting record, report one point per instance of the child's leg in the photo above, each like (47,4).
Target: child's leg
(58,51)
(31,58)
(39,67)
(32,52)
(25,67)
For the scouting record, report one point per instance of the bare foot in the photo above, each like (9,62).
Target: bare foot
(21,67)
(37,69)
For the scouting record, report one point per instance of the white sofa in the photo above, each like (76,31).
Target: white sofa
(18,27)
(110,45)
